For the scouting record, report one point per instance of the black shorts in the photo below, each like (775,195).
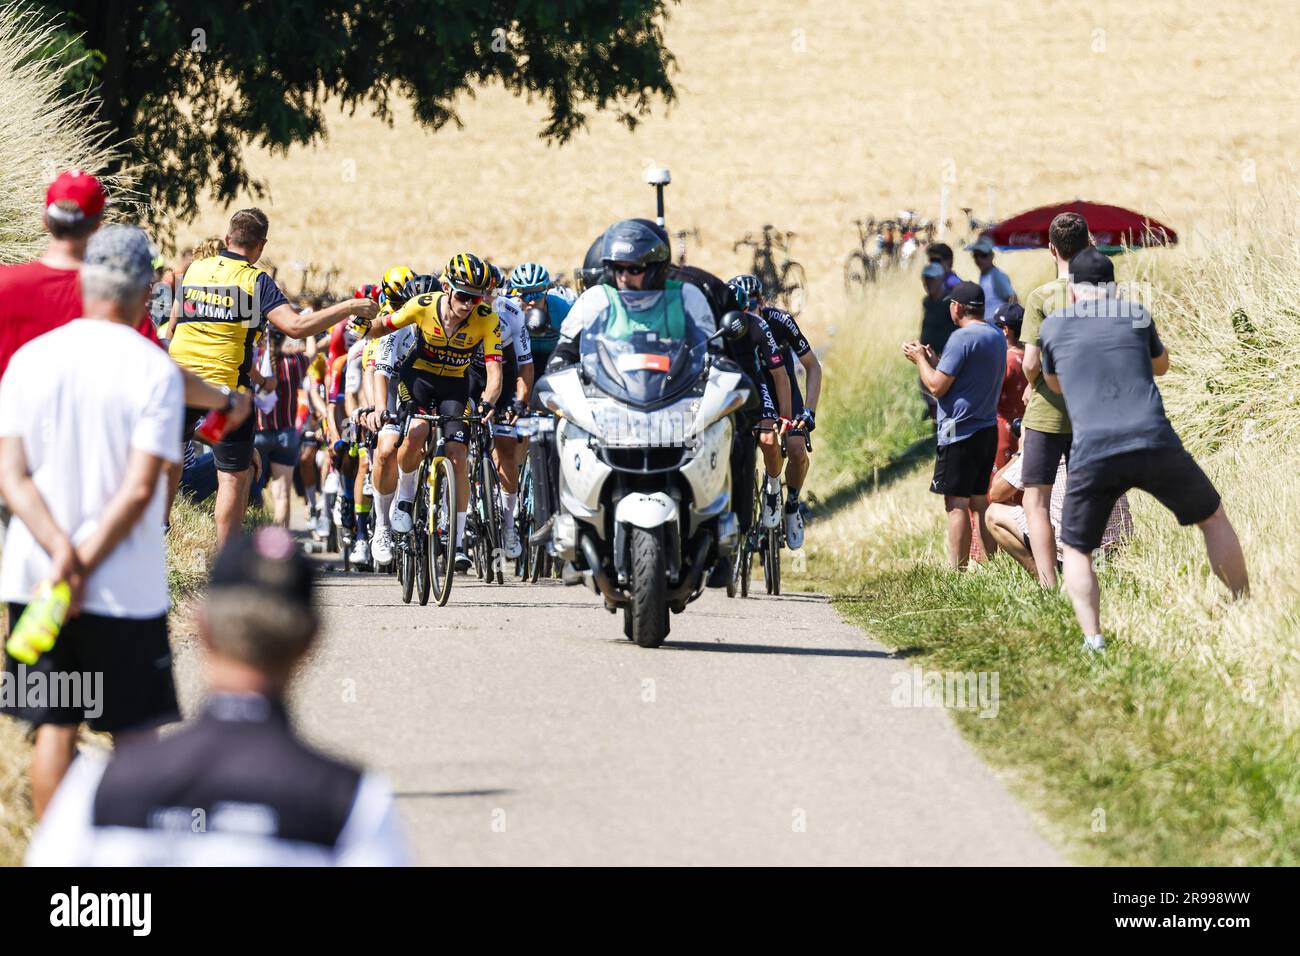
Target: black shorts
(234,453)
(962,469)
(436,395)
(127,668)
(1040,455)
(1170,475)
(509,382)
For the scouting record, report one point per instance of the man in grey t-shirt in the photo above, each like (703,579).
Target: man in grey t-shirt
(966,381)
(1102,354)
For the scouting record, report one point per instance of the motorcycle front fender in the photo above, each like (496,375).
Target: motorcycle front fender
(646,511)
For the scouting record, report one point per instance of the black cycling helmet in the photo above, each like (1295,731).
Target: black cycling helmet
(592,272)
(641,243)
(420,285)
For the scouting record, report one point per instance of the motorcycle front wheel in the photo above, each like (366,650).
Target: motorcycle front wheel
(649,588)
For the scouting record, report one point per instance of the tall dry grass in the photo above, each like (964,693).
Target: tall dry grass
(809,115)
(42,132)
(1225,307)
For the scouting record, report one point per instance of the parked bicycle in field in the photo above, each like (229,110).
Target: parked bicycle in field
(784,282)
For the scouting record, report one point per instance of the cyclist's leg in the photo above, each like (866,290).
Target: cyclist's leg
(744,455)
(456,447)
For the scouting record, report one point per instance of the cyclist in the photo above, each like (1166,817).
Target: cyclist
(544,308)
(516,387)
(795,351)
(430,366)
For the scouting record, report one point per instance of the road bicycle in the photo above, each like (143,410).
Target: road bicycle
(483,522)
(863,264)
(765,542)
(784,283)
(426,555)
(535,491)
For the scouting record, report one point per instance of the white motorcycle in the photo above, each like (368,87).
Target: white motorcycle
(644,443)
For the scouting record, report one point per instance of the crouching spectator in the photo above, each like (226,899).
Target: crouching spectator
(1102,354)
(1009,526)
(236,787)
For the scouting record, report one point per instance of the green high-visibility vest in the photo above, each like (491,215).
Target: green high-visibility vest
(668,318)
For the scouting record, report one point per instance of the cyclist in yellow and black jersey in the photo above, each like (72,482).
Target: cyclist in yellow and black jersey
(448,326)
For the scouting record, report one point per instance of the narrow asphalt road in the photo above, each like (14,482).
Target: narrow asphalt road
(518,726)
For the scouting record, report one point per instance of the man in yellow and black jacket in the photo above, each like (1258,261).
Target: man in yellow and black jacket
(225,303)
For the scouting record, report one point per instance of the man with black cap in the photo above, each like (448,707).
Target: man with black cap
(1102,354)
(966,381)
(236,787)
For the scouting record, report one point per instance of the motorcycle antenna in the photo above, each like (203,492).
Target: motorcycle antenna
(658,177)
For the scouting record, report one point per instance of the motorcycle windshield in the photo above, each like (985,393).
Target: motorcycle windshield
(638,357)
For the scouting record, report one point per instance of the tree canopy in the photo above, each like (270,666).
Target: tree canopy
(185,87)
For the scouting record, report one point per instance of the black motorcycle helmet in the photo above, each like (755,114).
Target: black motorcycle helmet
(640,242)
(592,272)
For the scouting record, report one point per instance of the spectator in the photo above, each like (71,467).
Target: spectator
(1103,353)
(1011,403)
(1046,436)
(1007,523)
(206,249)
(941,253)
(36,297)
(265,798)
(89,505)
(224,298)
(199,473)
(995,283)
(936,321)
(966,381)
(278,437)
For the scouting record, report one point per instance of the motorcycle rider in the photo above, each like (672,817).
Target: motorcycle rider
(636,256)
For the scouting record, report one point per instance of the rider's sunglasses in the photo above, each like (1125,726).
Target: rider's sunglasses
(467,297)
(532,296)
(628,268)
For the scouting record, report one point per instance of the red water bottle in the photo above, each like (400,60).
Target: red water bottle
(213,426)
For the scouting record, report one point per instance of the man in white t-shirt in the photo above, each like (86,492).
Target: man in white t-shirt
(89,416)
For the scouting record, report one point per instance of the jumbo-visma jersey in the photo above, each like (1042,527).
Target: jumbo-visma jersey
(437,353)
(224,301)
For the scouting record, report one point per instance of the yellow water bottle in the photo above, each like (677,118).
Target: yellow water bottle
(39,625)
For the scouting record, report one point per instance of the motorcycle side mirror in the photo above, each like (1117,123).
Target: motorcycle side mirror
(536,319)
(735,325)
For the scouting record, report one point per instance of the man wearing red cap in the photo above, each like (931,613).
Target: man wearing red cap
(36,297)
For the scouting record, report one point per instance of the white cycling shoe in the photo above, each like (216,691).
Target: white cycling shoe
(381,548)
(361,552)
(794,529)
(463,562)
(399,516)
(771,510)
(510,543)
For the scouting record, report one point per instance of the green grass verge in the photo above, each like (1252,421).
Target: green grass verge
(1128,755)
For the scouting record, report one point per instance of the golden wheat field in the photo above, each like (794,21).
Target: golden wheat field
(810,115)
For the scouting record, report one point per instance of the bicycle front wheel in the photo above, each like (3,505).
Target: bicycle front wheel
(490,513)
(442,529)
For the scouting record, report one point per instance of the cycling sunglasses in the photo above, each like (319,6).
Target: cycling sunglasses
(627,267)
(534,295)
(467,297)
